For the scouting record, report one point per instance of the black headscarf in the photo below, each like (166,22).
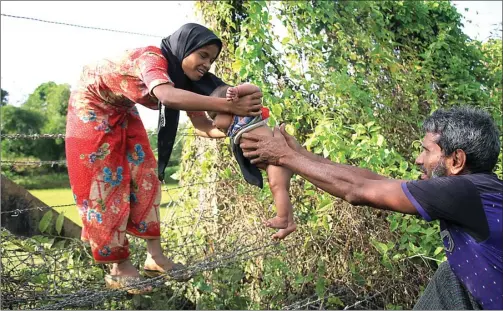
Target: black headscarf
(175,48)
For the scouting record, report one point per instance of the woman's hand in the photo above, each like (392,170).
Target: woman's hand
(249,105)
(179,99)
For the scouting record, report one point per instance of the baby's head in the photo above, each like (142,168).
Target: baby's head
(221,120)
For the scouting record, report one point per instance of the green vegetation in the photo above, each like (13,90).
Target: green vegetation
(353,80)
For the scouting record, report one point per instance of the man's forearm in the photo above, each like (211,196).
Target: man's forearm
(338,180)
(365,173)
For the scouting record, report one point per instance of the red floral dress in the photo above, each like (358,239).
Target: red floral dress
(111,166)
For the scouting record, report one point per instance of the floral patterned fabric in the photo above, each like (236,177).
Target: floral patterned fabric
(111,166)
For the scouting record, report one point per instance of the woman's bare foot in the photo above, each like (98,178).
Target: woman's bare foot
(159,263)
(283,233)
(124,268)
(162,265)
(124,275)
(277,222)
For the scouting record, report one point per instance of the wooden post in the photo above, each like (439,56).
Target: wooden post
(15,197)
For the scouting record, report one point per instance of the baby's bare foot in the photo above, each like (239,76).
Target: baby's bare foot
(232,93)
(277,222)
(283,233)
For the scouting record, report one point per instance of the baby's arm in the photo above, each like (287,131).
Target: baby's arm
(241,90)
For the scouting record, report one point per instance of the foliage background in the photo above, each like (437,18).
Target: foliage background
(353,80)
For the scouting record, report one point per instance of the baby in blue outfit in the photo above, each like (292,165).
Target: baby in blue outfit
(279,177)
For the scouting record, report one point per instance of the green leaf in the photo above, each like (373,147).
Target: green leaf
(438,250)
(320,287)
(394,225)
(336,301)
(413,228)
(45,221)
(59,222)
(380,140)
(381,247)
(290,129)
(323,204)
(60,244)
(276,110)
(326,153)
(227,172)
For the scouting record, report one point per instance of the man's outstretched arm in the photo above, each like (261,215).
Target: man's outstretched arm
(343,181)
(292,143)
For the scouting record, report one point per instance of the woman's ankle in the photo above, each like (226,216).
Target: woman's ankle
(125,267)
(154,248)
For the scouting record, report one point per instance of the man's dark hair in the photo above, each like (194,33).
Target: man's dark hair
(469,129)
(220,91)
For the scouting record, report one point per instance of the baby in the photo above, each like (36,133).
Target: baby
(279,177)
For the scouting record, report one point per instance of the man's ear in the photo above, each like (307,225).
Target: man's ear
(457,162)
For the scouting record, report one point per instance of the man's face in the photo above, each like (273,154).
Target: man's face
(431,161)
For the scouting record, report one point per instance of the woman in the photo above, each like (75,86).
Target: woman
(111,166)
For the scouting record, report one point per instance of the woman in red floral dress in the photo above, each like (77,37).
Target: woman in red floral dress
(112,169)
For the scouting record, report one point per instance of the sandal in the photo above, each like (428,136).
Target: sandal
(178,273)
(129,282)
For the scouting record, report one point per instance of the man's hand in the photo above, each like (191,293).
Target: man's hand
(267,149)
(290,140)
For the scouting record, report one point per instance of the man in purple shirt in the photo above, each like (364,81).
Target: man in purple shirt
(460,150)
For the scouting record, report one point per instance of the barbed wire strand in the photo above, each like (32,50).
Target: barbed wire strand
(62,136)
(81,26)
(83,297)
(17,212)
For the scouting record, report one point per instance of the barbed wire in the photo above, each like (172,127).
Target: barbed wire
(18,211)
(95,293)
(62,136)
(55,136)
(32,136)
(32,163)
(82,26)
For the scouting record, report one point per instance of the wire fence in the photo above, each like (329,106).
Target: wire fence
(65,285)
(59,290)
(38,275)
(80,26)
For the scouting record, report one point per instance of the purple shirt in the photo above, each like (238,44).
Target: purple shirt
(469,208)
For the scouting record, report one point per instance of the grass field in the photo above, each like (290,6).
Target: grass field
(63,196)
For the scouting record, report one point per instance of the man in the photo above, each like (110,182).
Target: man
(460,151)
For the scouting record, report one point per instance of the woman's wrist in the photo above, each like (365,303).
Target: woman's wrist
(227,106)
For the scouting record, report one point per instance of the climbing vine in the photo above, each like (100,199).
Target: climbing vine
(353,80)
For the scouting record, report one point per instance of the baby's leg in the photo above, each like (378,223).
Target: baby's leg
(279,182)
